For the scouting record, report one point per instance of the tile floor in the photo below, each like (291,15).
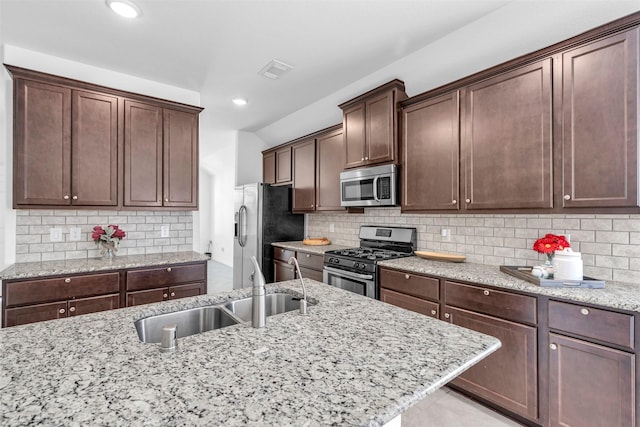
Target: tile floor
(444,408)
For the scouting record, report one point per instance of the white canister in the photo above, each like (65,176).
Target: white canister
(567,265)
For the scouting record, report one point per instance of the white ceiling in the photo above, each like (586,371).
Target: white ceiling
(217,47)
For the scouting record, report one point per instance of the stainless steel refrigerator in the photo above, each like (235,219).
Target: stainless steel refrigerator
(262,216)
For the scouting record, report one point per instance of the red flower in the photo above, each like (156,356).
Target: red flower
(120,234)
(550,243)
(97,232)
(113,233)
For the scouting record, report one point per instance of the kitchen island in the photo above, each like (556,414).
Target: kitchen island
(350,361)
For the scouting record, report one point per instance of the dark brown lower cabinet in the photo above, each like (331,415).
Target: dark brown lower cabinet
(164,294)
(590,384)
(409,302)
(508,377)
(283,271)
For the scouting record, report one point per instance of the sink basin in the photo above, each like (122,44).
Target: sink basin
(274,303)
(189,322)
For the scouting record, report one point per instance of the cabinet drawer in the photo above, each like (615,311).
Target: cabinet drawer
(150,278)
(282,254)
(313,261)
(510,306)
(418,305)
(409,283)
(603,325)
(61,288)
(308,273)
(34,313)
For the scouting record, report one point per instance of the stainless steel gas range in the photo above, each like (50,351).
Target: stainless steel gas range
(356,269)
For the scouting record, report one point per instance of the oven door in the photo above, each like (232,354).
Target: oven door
(363,284)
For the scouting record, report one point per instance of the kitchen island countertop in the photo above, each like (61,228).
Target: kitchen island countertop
(617,295)
(350,361)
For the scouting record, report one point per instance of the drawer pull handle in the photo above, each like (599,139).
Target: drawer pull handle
(169,269)
(173,294)
(447,315)
(433,312)
(67,280)
(308,256)
(62,311)
(485,292)
(406,276)
(553,346)
(584,311)
(164,295)
(72,309)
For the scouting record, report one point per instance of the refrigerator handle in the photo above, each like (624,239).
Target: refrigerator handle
(242,236)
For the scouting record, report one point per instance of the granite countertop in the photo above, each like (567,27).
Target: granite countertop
(618,295)
(350,361)
(299,246)
(25,270)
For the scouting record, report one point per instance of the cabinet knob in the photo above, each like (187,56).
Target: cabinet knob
(567,197)
(166,199)
(72,309)
(173,294)
(433,312)
(467,200)
(454,202)
(584,311)
(62,311)
(362,159)
(485,292)
(308,256)
(553,346)
(169,269)
(165,296)
(75,197)
(366,158)
(66,197)
(67,280)
(311,205)
(447,315)
(406,276)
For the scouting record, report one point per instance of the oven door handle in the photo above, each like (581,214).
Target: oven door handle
(349,274)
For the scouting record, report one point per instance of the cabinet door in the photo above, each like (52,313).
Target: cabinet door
(308,273)
(147,296)
(94,150)
(507,377)
(329,162)
(589,385)
(93,305)
(506,145)
(380,125)
(283,165)
(34,313)
(430,152)
(183,291)
(42,144)
(269,168)
(600,123)
(157,277)
(354,135)
(418,305)
(142,154)
(283,271)
(304,176)
(180,159)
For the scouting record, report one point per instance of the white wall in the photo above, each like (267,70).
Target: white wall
(7,219)
(249,158)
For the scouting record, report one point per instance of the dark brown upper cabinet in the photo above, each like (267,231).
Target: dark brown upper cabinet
(269,168)
(283,165)
(506,140)
(598,131)
(371,126)
(304,184)
(330,161)
(78,145)
(65,146)
(431,154)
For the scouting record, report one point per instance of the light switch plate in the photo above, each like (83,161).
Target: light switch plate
(164,231)
(445,233)
(74,234)
(55,234)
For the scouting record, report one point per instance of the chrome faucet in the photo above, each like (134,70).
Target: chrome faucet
(259,315)
(303,301)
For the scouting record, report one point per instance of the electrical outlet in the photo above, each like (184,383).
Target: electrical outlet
(55,234)
(164,231)
(445,233)
(332,228)
(74,234)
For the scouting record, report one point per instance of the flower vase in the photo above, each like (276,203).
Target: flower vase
(548,264)
(108,249)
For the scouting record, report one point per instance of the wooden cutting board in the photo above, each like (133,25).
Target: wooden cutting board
(316,241)
(441,256)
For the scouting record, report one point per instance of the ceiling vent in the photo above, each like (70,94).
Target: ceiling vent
(275,69)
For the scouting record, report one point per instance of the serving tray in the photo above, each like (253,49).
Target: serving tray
(441,256)
(524,273)
(316,241)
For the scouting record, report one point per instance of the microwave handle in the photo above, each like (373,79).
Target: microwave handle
(375,189)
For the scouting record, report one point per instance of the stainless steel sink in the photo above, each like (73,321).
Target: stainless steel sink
(189,322)
(274,303)
(201,319)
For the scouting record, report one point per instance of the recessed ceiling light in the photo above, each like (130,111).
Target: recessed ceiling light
(240,101)
(125,8)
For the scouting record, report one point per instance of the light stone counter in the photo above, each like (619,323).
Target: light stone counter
(299,246)
(350,361)
(618,295)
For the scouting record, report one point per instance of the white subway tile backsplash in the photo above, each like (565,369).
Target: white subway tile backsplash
(33,233)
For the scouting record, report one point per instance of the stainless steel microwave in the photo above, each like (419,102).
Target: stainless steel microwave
(370,186)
